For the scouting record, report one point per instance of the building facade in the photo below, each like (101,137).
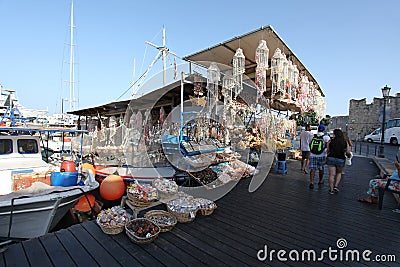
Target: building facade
(339,122)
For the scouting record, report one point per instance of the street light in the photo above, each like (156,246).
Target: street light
(385,93)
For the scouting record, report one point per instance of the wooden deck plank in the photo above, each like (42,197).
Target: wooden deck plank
(186,245)
(204,246)
(219,242)
(305,226)
(36,253)
(136,251)
(15,256)
(230,235)
(246,242)
(162,256)
(78,253)
(345,223)
(151,248)
(95,249)
(184,256)
(275,239)
(113,247)
(56,251)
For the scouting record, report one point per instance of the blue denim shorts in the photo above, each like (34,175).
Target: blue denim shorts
(335,162)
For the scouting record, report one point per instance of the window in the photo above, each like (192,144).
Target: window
(5,146)
(27,146)
(392,123)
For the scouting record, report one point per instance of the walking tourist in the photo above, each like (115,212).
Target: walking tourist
(305,138)
(318,155)
(375,184)
(337,150)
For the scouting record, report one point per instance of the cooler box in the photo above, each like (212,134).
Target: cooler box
(63,178)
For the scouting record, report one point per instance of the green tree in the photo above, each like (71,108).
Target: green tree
(310,118)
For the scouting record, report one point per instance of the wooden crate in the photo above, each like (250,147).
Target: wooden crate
(25,180)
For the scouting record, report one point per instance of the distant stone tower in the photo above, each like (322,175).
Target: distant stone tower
(364,118)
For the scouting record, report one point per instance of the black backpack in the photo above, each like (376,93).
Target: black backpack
(317,144)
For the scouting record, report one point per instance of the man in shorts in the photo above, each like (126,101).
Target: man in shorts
(305,138)
(317,161)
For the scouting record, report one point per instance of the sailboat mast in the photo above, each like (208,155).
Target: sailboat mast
(71,60)
(164,57)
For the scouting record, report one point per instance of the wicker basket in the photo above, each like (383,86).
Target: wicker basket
(164,194)
(139,203)
(141,240)
(161,213)
(206,212)
(112,230)
(183,217)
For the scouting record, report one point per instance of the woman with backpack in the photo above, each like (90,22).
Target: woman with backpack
(337,149)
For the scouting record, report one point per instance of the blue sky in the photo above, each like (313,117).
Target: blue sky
(350,47)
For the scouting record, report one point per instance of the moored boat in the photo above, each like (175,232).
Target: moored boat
(34,195)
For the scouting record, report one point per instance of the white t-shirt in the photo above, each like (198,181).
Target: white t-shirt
(326,139)
(305,139)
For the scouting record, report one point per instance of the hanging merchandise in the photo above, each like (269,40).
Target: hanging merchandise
(262,52)
(198,87)
(285,79)
(311,96)
(303,94)
(291,95)
(277,65)
(295,85)
(213,78)
(238,71)
(320,105)
(175,70)
(198,99)
(228,83)
(162,115)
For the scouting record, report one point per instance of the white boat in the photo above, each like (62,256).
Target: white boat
(31,211)
(35,211)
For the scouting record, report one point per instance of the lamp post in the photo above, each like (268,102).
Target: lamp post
(385,93)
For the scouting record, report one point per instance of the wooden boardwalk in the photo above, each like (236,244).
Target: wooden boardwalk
(283,214)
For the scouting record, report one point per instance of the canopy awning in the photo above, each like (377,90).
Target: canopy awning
(223,53)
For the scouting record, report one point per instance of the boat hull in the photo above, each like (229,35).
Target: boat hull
(141,174)
(34,216)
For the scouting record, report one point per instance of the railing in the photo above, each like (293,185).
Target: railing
(365,149)
(372,150)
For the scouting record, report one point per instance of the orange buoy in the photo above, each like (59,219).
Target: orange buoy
(67,166)
(112,187)
(82,204)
